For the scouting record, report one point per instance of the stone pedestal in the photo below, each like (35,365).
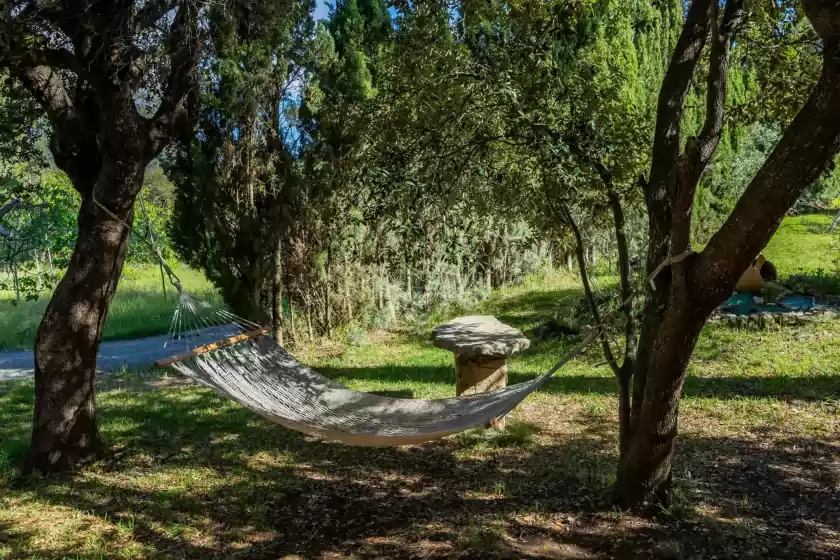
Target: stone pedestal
(481,344)
(477,375)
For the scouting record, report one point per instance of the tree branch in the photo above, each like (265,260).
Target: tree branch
(564,215)
(177,107)
(587,288)
(48,89)
(152,12)
(624,275)
(722,37)
(699,150)
(807,147)
(24,45)
(675,84)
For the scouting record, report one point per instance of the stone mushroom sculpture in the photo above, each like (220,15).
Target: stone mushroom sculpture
(481,344)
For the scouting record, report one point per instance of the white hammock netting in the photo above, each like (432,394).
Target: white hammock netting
(257,373)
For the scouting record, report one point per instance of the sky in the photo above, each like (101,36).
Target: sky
(321,9)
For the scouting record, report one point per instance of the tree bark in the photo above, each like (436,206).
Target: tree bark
(644,471)
(65,431)
(99,138)
(277,294)
(327,298)
(662,182)
(292,330)
(15,280)
(309,329)
(580,252)
(348,311)
(624,374)
(686,294)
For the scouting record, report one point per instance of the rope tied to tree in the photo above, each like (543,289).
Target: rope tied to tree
(173,278)
(665,264)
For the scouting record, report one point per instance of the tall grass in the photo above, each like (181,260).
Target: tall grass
(139,307)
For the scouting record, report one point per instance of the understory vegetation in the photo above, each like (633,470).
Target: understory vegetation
(804,252)
(140,308)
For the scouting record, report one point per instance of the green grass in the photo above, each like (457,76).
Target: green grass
(139,308)
(193,475)
(802,244)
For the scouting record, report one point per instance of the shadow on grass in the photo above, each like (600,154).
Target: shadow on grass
(274,492)
(476,495)
(783,387)
(533,307)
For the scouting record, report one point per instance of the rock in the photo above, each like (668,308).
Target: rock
(477,336)
(758,300)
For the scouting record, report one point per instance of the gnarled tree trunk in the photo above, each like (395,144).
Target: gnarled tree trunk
(687,291)
(87,88)
(64,429)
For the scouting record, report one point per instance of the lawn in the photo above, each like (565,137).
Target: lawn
(802,244)
(139,308)
(192,475)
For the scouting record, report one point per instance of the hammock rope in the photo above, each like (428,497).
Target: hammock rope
(238,359)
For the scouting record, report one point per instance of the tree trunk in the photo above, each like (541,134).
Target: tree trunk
(292,330)
(392,308)
(834,223)
(348,312)
(327,299)
(15,281)
(309,330)
(64,430)
(381,288)
(505,254)
(624,374)
(38,276)
(277,294)
(644,472)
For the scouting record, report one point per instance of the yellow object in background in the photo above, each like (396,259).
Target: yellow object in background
(751,280)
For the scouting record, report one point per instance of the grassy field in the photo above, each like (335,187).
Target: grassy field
(139,308)
(195,476)
(192,475)
(802,244)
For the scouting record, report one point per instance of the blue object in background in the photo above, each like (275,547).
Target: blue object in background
(743,304)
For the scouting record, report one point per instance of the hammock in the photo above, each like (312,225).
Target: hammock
(250,368)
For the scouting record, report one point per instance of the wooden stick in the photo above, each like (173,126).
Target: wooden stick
(218,345)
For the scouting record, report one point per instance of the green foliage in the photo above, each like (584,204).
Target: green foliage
(154,208)
(741,153)
(237,177)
